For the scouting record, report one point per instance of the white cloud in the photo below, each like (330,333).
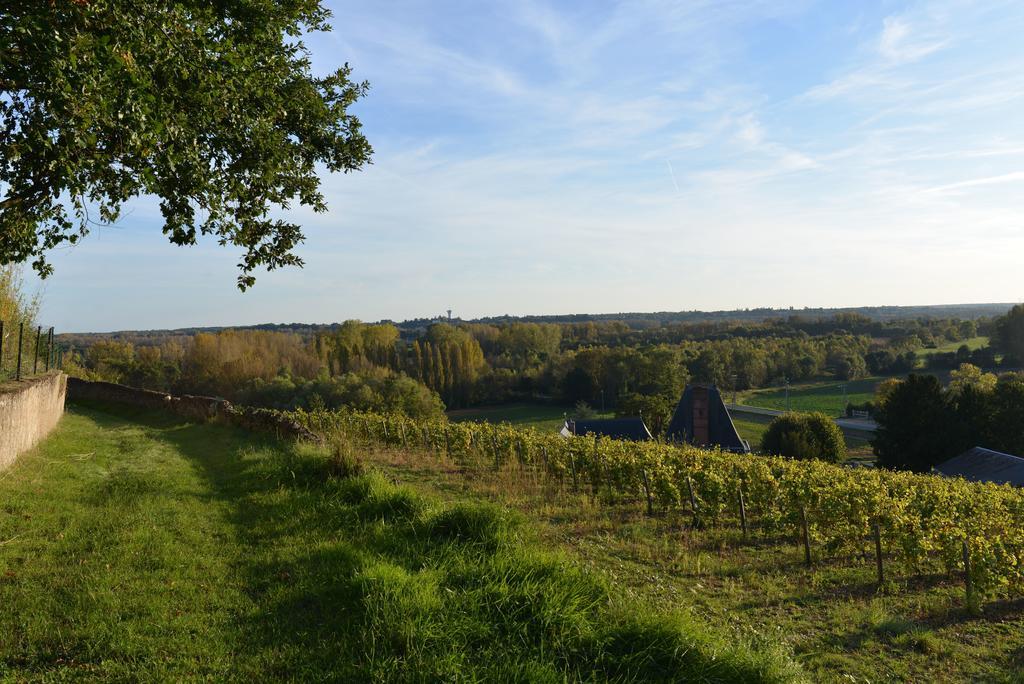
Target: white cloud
(900,43)
(1012,177)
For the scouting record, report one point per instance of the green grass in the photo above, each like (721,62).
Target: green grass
(543,417)
(839,625)
(135,547)
(972,344)
(826,397)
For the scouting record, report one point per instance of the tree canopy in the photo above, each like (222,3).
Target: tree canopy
(805,436)
(211,107)
(1009,333)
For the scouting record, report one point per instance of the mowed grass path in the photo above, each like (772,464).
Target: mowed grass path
(135,547)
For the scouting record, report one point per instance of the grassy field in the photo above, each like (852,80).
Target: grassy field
(544,417)
(840,627)
(972,343)
(826,397)
(142,548)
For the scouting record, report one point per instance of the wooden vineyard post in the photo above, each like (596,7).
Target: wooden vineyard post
(693,502)
(572,467)
(447,444)
(384,424)
(405,443)
(806,536)
(544,455)
(497,454)
(968,580)
(743,513)
(877,530)
(647,491)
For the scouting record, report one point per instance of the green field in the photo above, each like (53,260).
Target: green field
(544,417)
(826,397)
(972,344)
(136,547)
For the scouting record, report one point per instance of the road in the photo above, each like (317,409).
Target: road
(856,424)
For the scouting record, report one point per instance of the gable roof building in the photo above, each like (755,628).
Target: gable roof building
(633,429)
(702,419)
(984,465)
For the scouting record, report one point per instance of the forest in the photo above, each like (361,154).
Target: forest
(422,370)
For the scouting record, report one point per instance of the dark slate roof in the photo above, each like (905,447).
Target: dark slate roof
(984,465)
(721,431)
(615,428)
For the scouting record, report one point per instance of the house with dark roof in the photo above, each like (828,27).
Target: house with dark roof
(984,465)
(633,429)
(702,419)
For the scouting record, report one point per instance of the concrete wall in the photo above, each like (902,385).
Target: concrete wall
(29,410)
(192,407)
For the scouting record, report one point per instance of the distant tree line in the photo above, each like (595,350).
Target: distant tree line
(604,364)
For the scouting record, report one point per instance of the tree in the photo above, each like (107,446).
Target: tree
(1007,420)
(1009,333)
(917,426)
(970,376)
(805,436)
(211,107)
(654,409)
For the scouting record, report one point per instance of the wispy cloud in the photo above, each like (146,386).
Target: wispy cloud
(900,43)
(1013,177)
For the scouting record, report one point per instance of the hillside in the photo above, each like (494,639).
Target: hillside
(635,319)
(134,546)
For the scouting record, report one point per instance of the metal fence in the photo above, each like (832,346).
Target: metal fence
(26,351)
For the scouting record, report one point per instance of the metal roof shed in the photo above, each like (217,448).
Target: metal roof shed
(984,465)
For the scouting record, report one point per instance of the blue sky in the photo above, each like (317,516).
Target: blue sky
(557,157)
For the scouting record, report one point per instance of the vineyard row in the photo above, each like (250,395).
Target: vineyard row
(976,530)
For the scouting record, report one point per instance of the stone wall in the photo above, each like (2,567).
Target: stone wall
(29,410)
(192,407)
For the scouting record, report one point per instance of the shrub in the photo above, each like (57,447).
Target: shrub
(805,436)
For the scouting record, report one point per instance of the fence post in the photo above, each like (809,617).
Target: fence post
(968,580)
(21,337)
(693,502)
(405,444)
(49,348)
(1,347)
(743,513)
(35,359)
(878,552)
(647,491)
(806,536)
(572,466)
(447,444)
(497,455)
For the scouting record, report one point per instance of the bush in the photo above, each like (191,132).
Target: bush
(805,436)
